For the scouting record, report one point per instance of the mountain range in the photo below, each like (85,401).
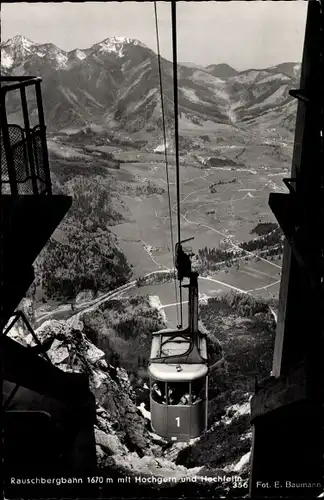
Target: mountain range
(115,84)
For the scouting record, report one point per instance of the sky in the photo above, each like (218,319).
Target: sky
(253,34)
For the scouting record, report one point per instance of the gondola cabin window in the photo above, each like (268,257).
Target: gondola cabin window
(178,393)
(158,391)
(185,393)
(198,390)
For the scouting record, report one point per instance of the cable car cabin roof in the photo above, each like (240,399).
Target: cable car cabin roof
(168,343)
(170,373)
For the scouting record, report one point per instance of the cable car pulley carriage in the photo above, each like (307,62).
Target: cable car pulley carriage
(178,370)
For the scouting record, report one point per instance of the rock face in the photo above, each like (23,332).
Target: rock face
(122,433)
(72,351)
(125,445)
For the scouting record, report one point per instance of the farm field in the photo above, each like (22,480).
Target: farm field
(228,214)
(219,205)
(259,278)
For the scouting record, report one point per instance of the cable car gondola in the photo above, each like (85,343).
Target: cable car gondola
(178,367)
(178,371)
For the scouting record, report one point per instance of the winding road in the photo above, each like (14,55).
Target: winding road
(119,292)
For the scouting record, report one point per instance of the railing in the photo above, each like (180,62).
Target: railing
(16,316)
(20,315)
(24,156)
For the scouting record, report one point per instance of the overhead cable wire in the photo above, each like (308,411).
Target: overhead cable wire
(165,151)
(176,125)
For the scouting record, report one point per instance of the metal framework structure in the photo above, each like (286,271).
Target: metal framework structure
(48,415)
(287,409)
(24,156)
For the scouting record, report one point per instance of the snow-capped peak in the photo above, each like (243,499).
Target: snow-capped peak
(19,41)
(17,47)
(116,44)
(123,40)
